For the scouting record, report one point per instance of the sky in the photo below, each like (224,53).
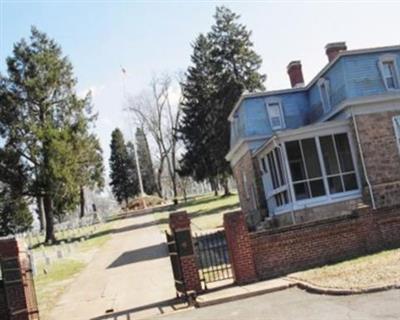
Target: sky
(153,37)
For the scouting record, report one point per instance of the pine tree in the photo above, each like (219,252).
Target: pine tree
(38,113)
(145,162)
(198,91)
(14,213)
(224,65)
(119,160)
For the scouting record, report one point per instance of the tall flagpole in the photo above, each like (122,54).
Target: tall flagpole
(133,137)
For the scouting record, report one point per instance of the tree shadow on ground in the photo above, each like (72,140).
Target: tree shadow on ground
(139,255)
(129,314)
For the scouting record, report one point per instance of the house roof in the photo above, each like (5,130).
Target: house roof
(315,79)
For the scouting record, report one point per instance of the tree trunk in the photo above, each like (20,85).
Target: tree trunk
(82,201)
(225,185)
(159,176)
(39,203)
(214,186)
(48,211)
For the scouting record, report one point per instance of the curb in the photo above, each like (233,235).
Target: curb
(312,288)
(249,294)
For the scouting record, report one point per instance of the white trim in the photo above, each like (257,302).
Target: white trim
(317,129)
(320,201)
(242,144)
(359,101)
(315,79)
(389,58)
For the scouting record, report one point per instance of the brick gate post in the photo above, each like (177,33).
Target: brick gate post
(14,302)
(179,224)
(239,247)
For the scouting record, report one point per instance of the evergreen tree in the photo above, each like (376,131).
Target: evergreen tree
(39,109)
(123,181)
(14,213)
(89,157)
(145,162)
(198,90)
(224,65)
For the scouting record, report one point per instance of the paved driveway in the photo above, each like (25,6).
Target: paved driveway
(131,274)
(297,304)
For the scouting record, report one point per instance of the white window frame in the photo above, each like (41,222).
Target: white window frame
(396,125)
(245,185)
(324,83)
(389,58)
(236,126)
(274,101)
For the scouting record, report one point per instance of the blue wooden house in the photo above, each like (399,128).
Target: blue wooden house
(319,150)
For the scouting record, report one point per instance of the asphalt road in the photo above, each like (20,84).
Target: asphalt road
(300,305)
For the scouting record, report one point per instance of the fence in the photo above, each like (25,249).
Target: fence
(70,235)
(279,251)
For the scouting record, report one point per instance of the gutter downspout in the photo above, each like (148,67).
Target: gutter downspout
(362,160)
(287,181)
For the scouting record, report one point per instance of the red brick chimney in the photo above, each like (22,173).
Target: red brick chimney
(295,74)
(334,48)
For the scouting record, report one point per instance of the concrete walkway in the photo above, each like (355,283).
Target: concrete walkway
(130,276)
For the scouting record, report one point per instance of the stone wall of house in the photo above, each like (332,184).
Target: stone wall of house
(251,195)
(381,156)
(279,251)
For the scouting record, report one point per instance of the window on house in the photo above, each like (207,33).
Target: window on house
(236,126)
(264,165)
(396,122)
(275,115)
(305,169)
(389,71)
(245,185)
(339,166)
(323,85)
(275,164)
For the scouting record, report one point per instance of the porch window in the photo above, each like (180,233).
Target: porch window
(305,169)
(278,189)
(339,166)
(396,123)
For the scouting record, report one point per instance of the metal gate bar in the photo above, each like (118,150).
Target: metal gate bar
(212,255)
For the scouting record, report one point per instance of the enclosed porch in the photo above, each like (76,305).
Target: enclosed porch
(311,172)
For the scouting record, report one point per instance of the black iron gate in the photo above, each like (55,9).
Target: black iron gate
(176,264)
(212,256)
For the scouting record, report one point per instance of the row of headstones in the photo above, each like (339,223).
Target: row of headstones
(67,231)
(49,255)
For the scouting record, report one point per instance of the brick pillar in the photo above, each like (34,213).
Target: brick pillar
(239,247)
(179,224)
(15,293)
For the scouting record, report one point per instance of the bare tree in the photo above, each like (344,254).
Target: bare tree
(154,111)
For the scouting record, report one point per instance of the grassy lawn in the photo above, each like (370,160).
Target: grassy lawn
(205,211)
(51,281)
(374,270)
